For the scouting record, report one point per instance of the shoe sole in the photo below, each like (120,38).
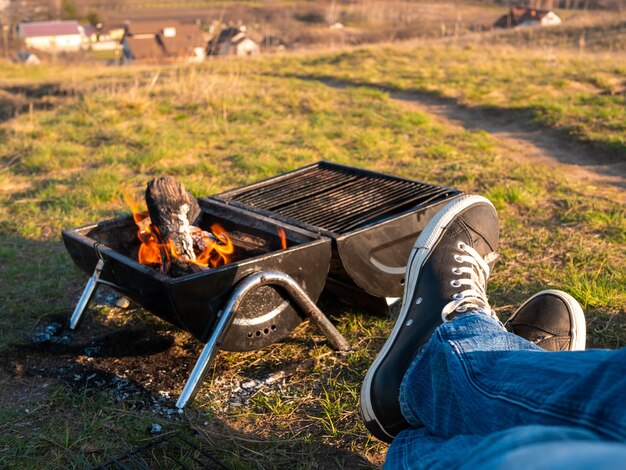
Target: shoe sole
(578,330)
(427,240)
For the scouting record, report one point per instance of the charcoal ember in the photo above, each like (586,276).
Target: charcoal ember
(178,268)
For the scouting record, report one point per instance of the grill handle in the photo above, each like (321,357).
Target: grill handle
(226,316)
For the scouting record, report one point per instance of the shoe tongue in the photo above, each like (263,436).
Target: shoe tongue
(484,236)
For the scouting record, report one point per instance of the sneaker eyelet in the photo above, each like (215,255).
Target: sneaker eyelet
(458,259)
(418,301)
(461,245)
(455,283)
(456,296)
(456,271)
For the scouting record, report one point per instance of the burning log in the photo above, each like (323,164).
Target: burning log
(169,238)
(173,210)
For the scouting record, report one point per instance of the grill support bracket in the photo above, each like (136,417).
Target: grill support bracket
(227,315)
(85,297)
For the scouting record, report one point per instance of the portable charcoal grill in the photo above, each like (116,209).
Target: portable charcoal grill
(348,229)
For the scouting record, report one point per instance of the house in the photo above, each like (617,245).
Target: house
(520,17)
(91,33)
(53,36)
(233,41)
(159,40)
(185,40)
(142,49)
(105,43)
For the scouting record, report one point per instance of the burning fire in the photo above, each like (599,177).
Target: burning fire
(212,249)
(283,238)
(218,247)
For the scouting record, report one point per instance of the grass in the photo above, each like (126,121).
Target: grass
(580,93)
(225,124)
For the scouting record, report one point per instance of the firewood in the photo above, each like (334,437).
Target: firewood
(173,210)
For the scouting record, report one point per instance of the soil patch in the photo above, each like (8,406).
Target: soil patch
(136,363)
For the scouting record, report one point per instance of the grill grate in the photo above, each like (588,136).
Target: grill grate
(168,452)
(336,198)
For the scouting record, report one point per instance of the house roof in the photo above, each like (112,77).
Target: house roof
(227,34)
(49,28)
(148,40)
(148,48)
(239,39)
(89,30)
(150,27)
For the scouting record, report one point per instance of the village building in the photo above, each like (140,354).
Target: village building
(160,40)
(233,41)
(519,17)
(53,36)
(105,42)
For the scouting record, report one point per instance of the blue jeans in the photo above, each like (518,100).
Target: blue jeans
(479,397)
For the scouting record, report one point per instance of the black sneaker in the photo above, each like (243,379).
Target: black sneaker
(552,319)
(447,273)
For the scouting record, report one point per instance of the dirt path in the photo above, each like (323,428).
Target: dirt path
(523,141)
(526,141)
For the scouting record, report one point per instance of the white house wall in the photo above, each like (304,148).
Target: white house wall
(247,47)
(67,43)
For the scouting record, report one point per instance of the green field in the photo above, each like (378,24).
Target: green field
(582,94)
(227,123)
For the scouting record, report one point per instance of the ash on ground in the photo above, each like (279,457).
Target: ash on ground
(241,391)
(52,333)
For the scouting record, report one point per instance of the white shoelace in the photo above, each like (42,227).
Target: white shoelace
(475,295)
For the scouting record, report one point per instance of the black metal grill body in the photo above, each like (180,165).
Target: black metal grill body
(372,218)
(349,229)
(193,302)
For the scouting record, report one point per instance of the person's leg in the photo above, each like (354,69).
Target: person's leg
(446,275)
(447,269)
(521,447)
(475,378)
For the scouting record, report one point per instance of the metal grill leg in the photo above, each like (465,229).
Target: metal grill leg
(90,288)
(226,316)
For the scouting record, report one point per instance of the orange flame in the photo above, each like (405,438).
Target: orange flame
(150,248)
(218,246)
(283,238)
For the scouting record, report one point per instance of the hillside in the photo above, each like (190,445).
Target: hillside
(78,400)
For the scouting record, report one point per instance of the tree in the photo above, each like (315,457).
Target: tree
(68,10)
(93,18)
